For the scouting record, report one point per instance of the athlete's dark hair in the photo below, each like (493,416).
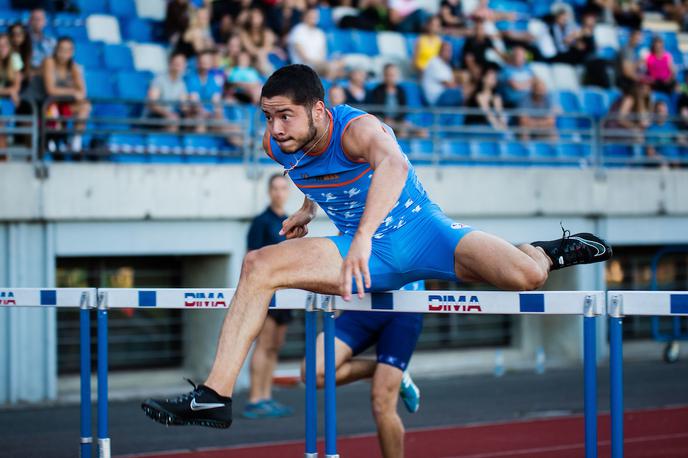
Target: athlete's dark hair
(298,82)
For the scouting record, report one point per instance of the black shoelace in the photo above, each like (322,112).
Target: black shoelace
(184,398)
(566,234)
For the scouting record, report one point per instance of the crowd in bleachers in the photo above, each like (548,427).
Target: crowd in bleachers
(186,59)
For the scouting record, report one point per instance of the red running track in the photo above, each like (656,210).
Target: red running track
(656,433)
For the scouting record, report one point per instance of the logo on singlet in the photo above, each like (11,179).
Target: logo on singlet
(458,226)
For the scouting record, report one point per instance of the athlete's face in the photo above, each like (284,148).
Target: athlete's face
(291,126)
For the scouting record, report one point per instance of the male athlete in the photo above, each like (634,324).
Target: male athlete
(349,163)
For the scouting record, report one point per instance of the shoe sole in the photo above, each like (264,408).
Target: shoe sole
(169,419)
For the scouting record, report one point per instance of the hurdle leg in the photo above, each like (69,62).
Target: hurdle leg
(616,384)
(311,395)
(103,439)
(330,393)
(590,384)
(85,368)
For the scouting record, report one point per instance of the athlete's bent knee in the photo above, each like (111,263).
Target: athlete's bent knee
(383,401)
(531,278)
(256,265)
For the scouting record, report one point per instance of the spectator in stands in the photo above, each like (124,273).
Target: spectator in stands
(662,136)
(682,101)
(205,92)
(231,52)
(167,95)
(10,71)
(20,41)
(428,44)
(392,96)
(488,102)
(355,91)
(198,36)
(42,44)
(451,14)
(537,118)
(660,67)
(438,81)
(177,19)
(475,51)
(284,15)
(307,45)
(371,15)
(565,32)
(223,29)
(628,116)
(258,40)
(517,77)
(628,67)
(483,12)
(336,95)
(407,16)
(626,13)
(244,81)
(63,81)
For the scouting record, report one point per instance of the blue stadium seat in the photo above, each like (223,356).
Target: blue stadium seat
(364,43)
(92,6)
(123,8)
(455,149)
(414,94)
(411,39)
(110,110)
(164,148)
(571,150)
(457,47)
(6,107)
(201,149)
(339,41)
(421,150)
(595,101)
(140,30)
(89,54)
(133,85)
(405,145)
(517,150)
(487,150)
(99,84)
(326,22)
(543,150)
(8,17)
(69,20)
(569,101)
(126,147)
(617,151)
(118,57)
(78,34)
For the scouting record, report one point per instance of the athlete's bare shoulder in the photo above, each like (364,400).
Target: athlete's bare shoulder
(366,140)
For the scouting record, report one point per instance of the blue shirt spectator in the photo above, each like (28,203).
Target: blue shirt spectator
(662,136)
(43,44)
(517,77)
(200,84)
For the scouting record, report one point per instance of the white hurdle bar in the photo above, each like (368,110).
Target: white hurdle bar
(627,303)
(83,299)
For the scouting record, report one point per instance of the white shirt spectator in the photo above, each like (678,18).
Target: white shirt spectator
(307,44)
(436,75)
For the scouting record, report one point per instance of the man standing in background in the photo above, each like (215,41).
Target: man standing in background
(265,230)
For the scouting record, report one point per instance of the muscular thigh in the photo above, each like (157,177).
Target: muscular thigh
(312,264)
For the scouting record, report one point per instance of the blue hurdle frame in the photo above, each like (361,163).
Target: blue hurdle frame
(103,439)
(86,441)
(310,375)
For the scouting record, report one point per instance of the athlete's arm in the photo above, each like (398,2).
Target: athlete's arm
(366,141)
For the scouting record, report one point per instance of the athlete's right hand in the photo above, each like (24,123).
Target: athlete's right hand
(296,225)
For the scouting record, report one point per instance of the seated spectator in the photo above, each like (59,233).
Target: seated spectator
(628,116)
(428,44)
(244,81)
(167,95)
(538,118)
(439,84)
(21,47)
(662,136)
(64,81)
(224,29)
(230,54)
(307,45)
(335,95)
(407,16)
(660,67)
(475,51)
(204,92)
(517,77)
(451,14)
(627,13)
(177,19)
(285,15)
(10,78)
(198,36)
(392,97)
(483,12)
(258,40)
(628,65)
(355,90)
(42,44)
(486,103)
(372,15)
(682,102)
(565,32)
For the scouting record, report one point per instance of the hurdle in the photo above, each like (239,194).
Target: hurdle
(83,299)
(637,303)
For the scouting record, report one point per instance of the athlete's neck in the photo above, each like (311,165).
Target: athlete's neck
(321,138)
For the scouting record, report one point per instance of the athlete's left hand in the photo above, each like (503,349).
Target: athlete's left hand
(356,266)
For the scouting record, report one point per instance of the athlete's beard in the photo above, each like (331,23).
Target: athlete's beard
(312,133)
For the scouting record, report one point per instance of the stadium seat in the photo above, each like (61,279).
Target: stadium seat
(110,110)
(8,17)
(365,43)
(326,22)
(606,36)
(78,34)
(92,6)
(123,8)
(543,150)
(139,30)
(569,101)
(487,150)
(118,57)
(339,42)
(595,102)
(392,44)
(133,85)
(414,95)
(421,150)
(201,149)
(102,27)
(544,72)
(69,20)
(151,9)
(99,84)
(149,57)
(165,145)
(516,150)
(127,144)
(455,149)
(89,54)
(564,76)
(6,107)
(574,150)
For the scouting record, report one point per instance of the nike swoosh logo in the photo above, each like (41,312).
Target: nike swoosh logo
(205,405)
(597,246)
